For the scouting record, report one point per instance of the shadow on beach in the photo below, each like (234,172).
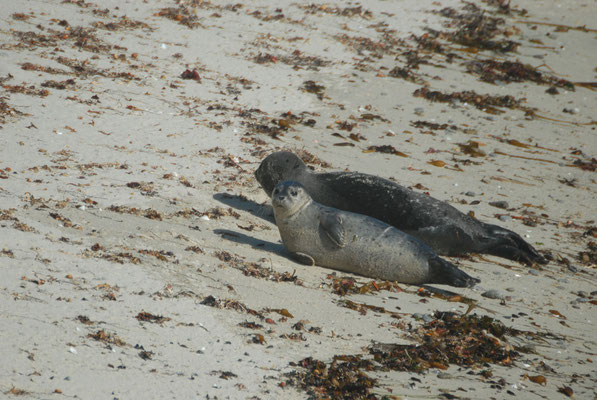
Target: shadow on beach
(262,211)
(238,237)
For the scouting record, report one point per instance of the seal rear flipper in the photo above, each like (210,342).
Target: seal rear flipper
(511,246)
(443,272)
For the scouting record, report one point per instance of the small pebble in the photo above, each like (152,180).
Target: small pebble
(499,204)
(471,194)
(510,289)
(419,111)
(505,218)
(493,294)
(427,318)
(552,90)
(534,272)
(444,375)
(574,110)
(573,269)
(582,293)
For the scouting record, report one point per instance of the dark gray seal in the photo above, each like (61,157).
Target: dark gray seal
(445,229)
(328,237)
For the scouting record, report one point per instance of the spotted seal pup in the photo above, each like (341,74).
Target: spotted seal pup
(328,237)
(445,229)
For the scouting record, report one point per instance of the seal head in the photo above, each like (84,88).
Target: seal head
(289,198)
(279,167)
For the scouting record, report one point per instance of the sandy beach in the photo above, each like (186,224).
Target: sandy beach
(139,257)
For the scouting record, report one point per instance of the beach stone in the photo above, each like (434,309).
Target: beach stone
(533,272)
(424,317)
(572,268)
(499,204)
(493,294)
(471,194)
(505,218)
(427,318)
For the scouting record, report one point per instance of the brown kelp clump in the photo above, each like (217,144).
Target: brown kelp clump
(464,340)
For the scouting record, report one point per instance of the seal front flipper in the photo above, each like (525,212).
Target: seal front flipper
(331,224)
(303,258)
(447,273)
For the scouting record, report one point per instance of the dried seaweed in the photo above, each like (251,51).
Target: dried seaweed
(296,59)
(29,90)
(211,301)
(7,111)
(386,148)
(484,102)
(344,12)
(181,14)
(464,340)
(509,71)
(343,286)
(343,378)
(313,87)
(148,317)
(123,23)
(476,29)
(406,74)
(109,338)
(147,213)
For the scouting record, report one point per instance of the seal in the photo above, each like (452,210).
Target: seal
(319,235)
(445,229)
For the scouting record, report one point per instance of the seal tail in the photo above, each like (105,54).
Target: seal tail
(446,273)
(510,245)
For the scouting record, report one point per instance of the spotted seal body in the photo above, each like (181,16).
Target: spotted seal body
(445,229)
(328,237)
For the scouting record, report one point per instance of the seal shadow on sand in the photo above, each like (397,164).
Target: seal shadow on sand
(238,237)
(262,211)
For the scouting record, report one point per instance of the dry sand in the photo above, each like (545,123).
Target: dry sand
(127,190)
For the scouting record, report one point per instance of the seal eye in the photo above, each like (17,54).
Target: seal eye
(276,191)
